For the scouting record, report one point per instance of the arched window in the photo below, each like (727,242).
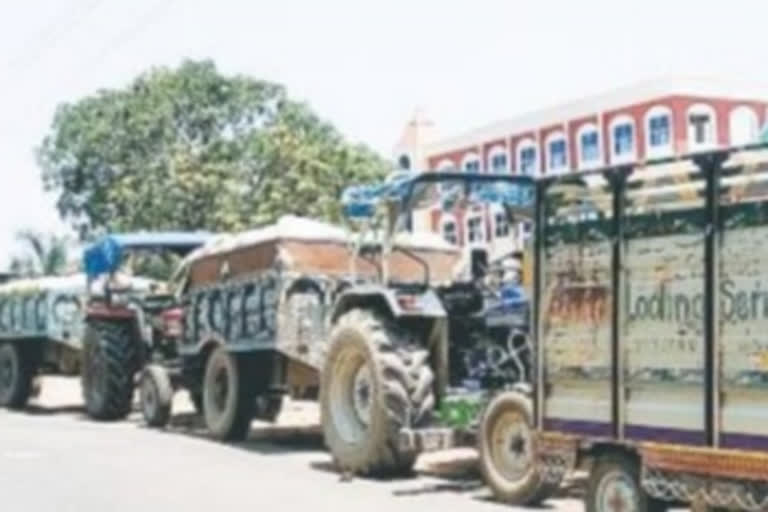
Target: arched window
(659,132)
(498,159)
(589,147)
(702,122)
(527,157)
(743,126)
(470,163)
(449,229)
(623,139)
(475,232)
(404,162)
(446,165)
(501,228)
(557,152)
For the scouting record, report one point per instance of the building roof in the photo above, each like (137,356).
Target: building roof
(719,87)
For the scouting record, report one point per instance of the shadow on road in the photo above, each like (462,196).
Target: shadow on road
(263,438)
(39,410)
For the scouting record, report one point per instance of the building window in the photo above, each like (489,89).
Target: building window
(498,160)
(527,158)
(471,163)
(500,225)
(658,126)
(589,146)
(743,126)
(701,127)
(475,231)
(557,158)
(404,162)
(623,134)
(450,233)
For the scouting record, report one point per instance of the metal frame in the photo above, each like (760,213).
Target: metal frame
(710,165)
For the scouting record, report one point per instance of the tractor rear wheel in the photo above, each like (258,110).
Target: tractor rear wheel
(375,381)
(110,362)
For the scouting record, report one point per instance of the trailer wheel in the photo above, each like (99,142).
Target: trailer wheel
(506,450)
(16,374)
(156,396)
(227,396)
(614,484)
(375,381)
(110,362)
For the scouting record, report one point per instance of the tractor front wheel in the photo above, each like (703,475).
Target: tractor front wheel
(156,395)
(506,449)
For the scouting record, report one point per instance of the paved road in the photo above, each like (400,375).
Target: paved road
(53,459)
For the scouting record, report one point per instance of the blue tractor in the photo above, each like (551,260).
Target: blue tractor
(125,329)
(410,366)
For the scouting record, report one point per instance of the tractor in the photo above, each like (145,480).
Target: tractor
(126,330)
(414,366)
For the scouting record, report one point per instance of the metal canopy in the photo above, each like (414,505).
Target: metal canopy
(106,255)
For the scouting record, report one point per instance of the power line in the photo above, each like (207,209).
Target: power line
(149,17)
(48,36)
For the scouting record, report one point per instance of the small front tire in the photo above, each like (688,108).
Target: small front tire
(156,395)
(506,451)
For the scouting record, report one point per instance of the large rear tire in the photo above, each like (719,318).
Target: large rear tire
(156,395)
(228,399)
(110,362)
(506,449)
(376,380)
(16,374)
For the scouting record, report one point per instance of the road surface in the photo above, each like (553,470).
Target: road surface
(54,459)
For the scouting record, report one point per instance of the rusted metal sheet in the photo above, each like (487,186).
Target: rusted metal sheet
(706,461)
(315,257)
(277,294)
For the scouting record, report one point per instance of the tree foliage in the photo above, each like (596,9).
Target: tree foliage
(189,148)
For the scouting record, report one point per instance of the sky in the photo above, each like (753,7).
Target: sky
(363,65)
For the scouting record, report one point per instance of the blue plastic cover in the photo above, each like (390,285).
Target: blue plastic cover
(359,201)
(106,255)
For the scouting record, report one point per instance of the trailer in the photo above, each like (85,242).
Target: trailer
(651,333)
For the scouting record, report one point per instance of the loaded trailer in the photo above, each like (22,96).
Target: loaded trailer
(41,331)
(651,307)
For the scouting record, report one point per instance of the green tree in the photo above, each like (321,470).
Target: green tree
(189,148)
(46,255)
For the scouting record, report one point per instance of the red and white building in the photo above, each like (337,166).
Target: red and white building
(646,122)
